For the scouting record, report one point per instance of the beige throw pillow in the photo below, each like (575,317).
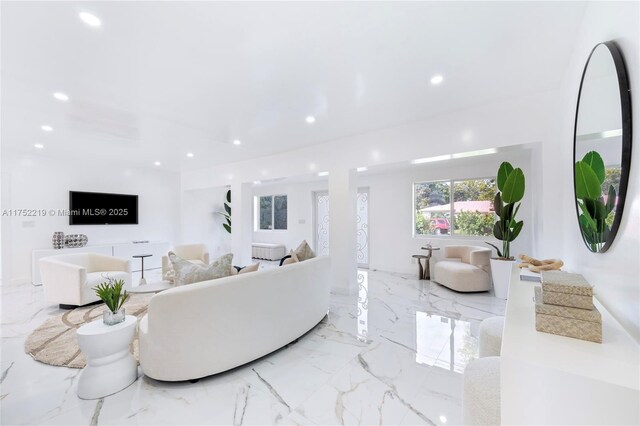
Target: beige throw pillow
(187,272)
(304,252)
(292,259)
(250,268)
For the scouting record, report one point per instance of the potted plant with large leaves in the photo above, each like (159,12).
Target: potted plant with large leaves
(227,212)
(595,210)
(511,185)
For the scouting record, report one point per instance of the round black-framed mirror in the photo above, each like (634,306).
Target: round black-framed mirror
(602,146)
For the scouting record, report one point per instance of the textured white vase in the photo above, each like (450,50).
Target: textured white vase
(501,275)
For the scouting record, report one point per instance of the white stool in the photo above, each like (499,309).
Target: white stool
(491,336)
(481,395)
(110,367)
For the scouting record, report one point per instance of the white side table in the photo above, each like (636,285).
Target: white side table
(110,367)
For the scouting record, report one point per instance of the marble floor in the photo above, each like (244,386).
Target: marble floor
(392,354)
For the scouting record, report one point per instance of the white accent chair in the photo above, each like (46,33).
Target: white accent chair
(68,279)
(464,269)
(195,253)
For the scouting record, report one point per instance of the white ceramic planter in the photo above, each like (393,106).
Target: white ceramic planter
(501,275)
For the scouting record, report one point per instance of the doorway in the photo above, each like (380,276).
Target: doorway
(321,225)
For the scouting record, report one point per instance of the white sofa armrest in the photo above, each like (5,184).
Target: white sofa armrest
(62,281)
(480,257)
(100,262)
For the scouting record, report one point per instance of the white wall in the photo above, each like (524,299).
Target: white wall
(39,182)
(615,273)
(299,212)
(391,238)
(200,224)
(391,209)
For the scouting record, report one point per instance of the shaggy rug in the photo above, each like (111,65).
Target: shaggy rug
(55,343)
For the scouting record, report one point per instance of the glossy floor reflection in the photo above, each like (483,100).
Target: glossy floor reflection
(393,353)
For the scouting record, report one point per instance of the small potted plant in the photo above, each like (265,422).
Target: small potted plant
(506,204)
(112,294)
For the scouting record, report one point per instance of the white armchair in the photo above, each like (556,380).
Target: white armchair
(464,268)
(68,279)
(196,253)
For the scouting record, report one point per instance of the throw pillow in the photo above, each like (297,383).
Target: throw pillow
(250,268)
(304,252)
(292,258)
(187,272)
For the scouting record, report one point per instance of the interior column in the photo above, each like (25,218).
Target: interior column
(342,232)
(241,222)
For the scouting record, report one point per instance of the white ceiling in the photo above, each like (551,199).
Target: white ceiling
(160,79)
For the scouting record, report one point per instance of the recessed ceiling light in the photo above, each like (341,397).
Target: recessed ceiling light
(157,163)
(61,96)
(436,79)
(323,174)
(190,154)
(257,182)
(39,146)
(89,19)
(362,169)
(310,119)
(47,128)
(443,419)
(236,142)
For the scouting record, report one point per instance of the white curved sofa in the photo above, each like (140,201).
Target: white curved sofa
(209,327)
(69,279)
(464,268)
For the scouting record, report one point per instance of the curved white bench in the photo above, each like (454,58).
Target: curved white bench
(209,327)
(268,251)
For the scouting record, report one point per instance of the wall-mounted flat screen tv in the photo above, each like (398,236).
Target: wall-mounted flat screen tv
(97,208)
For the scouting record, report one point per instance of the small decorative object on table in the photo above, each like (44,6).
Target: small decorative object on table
(535,265)
(58,240)
(564,306)
(75,240)
(112,294)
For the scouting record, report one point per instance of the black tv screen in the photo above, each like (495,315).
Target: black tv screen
(97,208)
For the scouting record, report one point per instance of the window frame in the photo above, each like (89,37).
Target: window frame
(256,213)
(452,219)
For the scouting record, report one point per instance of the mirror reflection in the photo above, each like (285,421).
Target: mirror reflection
(599,148)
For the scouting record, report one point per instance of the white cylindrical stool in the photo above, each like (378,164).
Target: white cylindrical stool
(491,336)
(110,366)
(481,395)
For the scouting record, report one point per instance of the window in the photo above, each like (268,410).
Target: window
(473,207)
(458,207)
(272,212)
(433,207)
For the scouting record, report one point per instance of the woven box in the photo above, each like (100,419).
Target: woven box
(564,282)
(565,289)
(570,322)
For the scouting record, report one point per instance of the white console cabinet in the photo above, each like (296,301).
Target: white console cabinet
(550,379)
(125,251)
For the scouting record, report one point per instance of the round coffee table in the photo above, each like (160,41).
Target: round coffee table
(152,287)
(110,367)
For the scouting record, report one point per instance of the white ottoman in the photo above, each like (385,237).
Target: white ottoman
(491,330)
(481,395)
(110,366)
(268,251)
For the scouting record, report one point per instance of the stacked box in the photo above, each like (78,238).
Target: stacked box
(564,306)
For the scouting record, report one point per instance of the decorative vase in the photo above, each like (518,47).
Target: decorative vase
(501,271)
(75,240)
(110,318)
(58,240)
